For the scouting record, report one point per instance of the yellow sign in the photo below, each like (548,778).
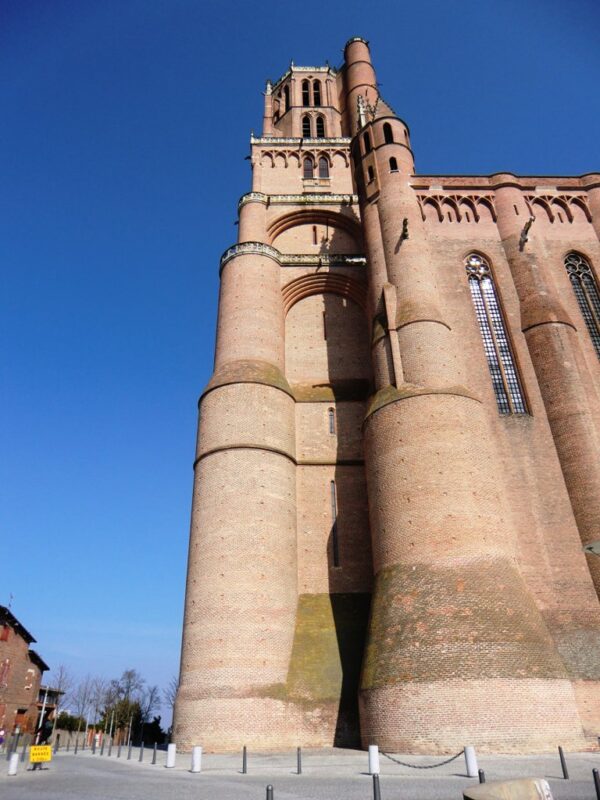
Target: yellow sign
(39,753)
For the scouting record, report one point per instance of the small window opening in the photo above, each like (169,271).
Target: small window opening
(305,93)
(309,168)
(306,127)
(317,93)
(406,138)
(449,215)
(320,128)
(367,143)
(516,210)
(393,165)
(371,174)
(324,326)
(388,136)
(331,417)
(286,97)
(334,531)
(467,216)
(323,167)
(559,215)
(314,234)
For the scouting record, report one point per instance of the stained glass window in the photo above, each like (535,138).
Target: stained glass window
(496,344)
(586,292)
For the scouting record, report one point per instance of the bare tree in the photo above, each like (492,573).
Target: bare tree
(62,680)
(130,684)
(149,700)
(81,698)
(170,693)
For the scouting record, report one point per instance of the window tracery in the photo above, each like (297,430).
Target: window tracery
(496,343)
(586,291)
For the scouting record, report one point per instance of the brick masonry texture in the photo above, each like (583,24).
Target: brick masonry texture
(377,555)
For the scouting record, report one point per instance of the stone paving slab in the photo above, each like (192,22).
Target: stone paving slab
(326,775)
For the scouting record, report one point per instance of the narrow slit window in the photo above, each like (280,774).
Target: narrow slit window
(323,167)
(324,326)
(516,210)
(586,291)
(393,165)
(286,98)
(367,143)
(331,419)
(317,93)
(305,93)
(309,168)
(388,136)
(496,344)
(306,127)
(320,128)
(314,232)
(371,174)
(334,528)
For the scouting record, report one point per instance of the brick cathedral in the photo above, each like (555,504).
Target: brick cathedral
(397,472)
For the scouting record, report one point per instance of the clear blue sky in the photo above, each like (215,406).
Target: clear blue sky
(123,133)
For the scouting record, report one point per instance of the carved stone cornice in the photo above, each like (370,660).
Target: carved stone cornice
(309,199)
(292,259)
(244,248)
(343,141)
(321,259)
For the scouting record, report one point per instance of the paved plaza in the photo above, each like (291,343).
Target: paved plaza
(326,775)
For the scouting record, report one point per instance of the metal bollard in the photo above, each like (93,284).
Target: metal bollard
(376,787)
(269,792)
(373,759)
(23,752)
(244,761)
(481,776)
(57,743)
(119,750)
(171,754)
(93,745)
(471,762)
(154,754)
(84,738)
(13,763)
(68,743)
(129,750)
(110,741)
(596,783)
(102,747)
(196,759)
(141,758)
(563,763)
(299,760)
(76,744)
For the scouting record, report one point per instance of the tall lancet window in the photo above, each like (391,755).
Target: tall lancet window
(306,133)
(586,292)
(498,352)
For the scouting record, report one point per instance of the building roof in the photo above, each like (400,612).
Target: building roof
(8,618)
(38,660)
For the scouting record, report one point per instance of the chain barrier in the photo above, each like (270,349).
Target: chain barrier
(421,766)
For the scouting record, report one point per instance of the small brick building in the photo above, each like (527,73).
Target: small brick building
(398,460)
(21,672)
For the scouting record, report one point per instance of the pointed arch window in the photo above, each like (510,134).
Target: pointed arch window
(334,526)
(331,418)
(309,167)
(586,291)
(320,128)
(498,352)
(323,167)
(317,93)
(305,93)
(286,98)
(388,136)
(306,132)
